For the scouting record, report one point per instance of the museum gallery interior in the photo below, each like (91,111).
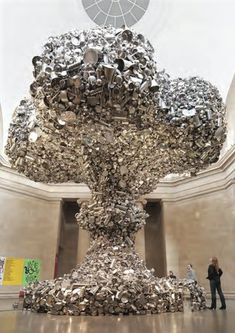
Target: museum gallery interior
(117,197)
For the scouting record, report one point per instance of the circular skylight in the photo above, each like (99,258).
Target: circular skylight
(115,12)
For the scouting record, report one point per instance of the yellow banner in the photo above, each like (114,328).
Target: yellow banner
(13,271)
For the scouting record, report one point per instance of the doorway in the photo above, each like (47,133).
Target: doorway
(68,240)
(155,250)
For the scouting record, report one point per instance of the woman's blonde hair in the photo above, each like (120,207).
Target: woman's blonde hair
(215,262)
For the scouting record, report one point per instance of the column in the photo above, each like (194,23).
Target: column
(83,241)
(140,237)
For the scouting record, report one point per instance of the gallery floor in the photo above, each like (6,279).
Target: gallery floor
(188,322)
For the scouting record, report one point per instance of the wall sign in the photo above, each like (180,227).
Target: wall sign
(2,264)
(31,271)
(19,271)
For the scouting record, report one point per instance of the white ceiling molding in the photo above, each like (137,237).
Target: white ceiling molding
(218,177)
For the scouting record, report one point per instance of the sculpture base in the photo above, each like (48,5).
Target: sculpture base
(111,280)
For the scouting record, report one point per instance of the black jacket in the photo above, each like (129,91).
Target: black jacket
(213,274)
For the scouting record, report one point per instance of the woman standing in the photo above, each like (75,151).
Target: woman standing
(214,274)
(191,274)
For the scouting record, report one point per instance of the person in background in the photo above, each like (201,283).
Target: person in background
(171,275)
(191,274)
(214,274)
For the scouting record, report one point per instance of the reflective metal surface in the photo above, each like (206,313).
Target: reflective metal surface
(98,94)
(102,113)
(187,322)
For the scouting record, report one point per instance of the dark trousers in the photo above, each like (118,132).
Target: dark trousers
(216,285)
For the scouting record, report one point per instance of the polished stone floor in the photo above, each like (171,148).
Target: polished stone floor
(188,322)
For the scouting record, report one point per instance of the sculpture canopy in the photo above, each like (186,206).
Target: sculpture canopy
(100,112)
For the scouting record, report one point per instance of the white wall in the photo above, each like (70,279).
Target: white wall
(1,129)
(29,229)
(190,37)
(230,105)
(199,228)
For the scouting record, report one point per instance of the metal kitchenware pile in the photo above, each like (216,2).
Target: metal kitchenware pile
(101,113)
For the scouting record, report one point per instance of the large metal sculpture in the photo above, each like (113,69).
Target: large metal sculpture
(101,113)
